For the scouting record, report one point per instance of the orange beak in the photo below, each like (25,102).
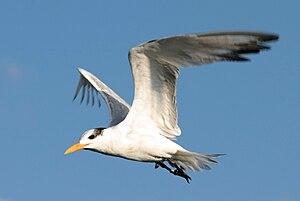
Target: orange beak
(75,147)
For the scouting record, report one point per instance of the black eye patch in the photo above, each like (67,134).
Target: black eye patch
(91,137)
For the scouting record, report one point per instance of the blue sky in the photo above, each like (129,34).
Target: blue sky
(250,111)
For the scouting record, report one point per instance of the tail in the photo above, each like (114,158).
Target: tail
(194,161)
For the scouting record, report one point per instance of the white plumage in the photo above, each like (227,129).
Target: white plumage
(145,130)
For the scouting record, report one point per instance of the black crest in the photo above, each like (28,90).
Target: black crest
(98,131)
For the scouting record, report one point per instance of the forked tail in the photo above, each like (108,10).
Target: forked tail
(194,161)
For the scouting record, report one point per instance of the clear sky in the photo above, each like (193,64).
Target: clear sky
(250,111)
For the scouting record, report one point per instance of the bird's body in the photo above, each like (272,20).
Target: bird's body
(146,130)
(136,145)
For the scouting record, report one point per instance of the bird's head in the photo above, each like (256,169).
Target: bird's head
(89,140)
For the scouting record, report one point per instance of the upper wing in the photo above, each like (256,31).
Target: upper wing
(118,108)
(155,68)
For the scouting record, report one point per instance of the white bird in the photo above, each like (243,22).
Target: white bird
(146,130)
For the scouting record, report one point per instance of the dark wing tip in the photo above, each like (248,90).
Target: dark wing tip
(234,57)
(268,37)
(252,47)
(75,96)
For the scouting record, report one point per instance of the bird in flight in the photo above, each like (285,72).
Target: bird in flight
(145,131)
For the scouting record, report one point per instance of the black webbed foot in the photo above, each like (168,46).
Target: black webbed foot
(181,173)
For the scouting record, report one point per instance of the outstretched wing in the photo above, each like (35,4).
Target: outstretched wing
(118,108)
(155,68)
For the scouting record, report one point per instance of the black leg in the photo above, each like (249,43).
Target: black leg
(179,171)
(161,164)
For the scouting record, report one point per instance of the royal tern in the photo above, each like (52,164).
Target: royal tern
(146,130)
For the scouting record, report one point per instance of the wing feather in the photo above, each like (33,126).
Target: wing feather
(118,108)
(155,68)
(198,49)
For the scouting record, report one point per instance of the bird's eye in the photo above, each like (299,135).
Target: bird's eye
(91,137)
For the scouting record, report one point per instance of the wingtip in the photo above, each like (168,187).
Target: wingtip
(272,37)
(75,96)
(80,69)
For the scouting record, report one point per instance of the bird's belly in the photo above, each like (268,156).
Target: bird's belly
(146,148)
